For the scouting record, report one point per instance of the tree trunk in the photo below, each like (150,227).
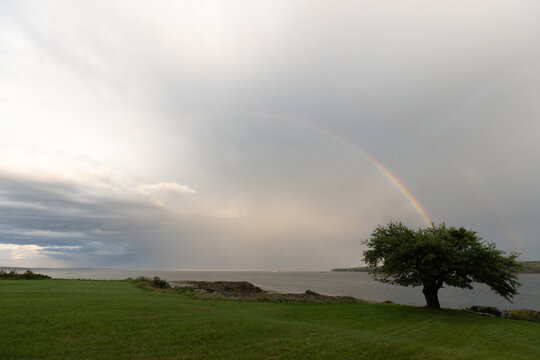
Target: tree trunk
(430,293)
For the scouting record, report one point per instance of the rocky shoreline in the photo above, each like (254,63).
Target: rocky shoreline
(244,289)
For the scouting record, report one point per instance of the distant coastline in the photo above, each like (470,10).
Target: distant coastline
(355,269)
(529,267)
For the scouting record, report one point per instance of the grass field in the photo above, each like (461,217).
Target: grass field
(78,319)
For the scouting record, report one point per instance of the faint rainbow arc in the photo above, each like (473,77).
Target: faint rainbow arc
(379,166)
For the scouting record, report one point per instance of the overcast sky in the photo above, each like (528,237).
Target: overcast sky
(262,135)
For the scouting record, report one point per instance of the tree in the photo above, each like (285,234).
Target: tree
(439,255)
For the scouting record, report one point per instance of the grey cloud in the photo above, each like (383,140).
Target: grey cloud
(445,97)
(63,218)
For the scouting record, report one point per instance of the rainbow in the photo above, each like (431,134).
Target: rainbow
(387,173)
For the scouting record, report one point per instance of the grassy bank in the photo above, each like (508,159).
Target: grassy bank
(76,319)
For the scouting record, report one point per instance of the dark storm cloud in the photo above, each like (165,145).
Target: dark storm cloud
(63,217)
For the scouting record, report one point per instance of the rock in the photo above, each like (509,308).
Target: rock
(181,284)
(230,288)
(486,310)
(311,293)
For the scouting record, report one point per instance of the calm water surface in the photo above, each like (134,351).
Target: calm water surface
(357,284)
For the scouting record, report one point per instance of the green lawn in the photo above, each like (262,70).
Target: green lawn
(77,319)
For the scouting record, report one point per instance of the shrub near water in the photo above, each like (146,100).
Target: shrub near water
(529,315)
(160,283)
(156,282)
(27,275)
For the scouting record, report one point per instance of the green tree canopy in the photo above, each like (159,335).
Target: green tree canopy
(438,256)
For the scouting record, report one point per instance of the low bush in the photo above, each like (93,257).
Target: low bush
(159,283)
(529,315)
(155,283)
(27,275)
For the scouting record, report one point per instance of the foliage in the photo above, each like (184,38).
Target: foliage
(156,282)
(529,315)
(72,319)
(160,283)
(438,256)
(27,275)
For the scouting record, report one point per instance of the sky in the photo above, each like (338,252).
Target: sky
(262,135)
